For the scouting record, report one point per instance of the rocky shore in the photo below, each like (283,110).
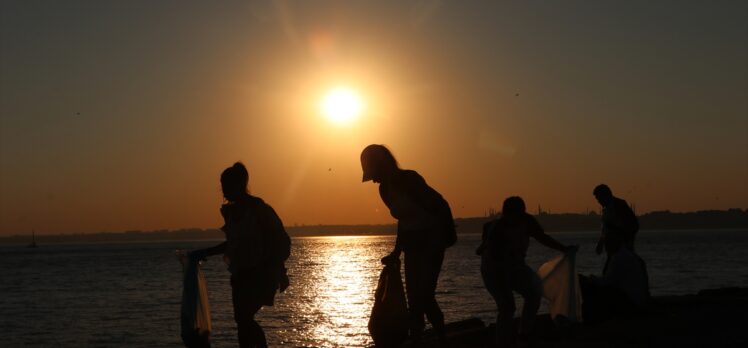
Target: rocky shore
(711,318)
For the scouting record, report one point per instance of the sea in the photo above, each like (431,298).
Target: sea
(129,295)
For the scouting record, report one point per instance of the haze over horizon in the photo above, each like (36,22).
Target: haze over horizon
(121,116)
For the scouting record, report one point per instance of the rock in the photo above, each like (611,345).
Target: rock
(712,318)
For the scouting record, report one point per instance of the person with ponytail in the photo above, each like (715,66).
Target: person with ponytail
(255,250)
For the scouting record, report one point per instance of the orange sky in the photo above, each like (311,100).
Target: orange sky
(122,116)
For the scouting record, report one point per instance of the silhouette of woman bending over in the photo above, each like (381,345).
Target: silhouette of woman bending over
(504,270)
(425,228)
(255,250)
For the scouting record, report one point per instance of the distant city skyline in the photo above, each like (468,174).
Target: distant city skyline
(120,116)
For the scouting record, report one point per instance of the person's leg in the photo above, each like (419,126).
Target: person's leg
(607,261)
(527,284)
(589,299)
(431,307)
(255,336)
(490,280)
(504,299)
(245,308)
(413,291)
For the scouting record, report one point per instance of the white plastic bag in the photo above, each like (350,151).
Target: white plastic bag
(195,314)
(561,287)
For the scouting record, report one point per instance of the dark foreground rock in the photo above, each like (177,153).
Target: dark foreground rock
(712,318)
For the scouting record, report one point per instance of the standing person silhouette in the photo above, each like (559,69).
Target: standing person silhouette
(255,250)
(503,268)
(619,224)
(624,285)
(425,228)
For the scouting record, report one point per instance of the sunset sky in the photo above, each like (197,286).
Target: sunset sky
(121,115)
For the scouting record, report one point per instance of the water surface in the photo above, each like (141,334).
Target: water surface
(128,295)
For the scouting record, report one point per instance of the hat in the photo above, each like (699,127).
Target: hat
(373,157)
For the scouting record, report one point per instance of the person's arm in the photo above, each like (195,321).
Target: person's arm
(537,232)
(215,250)
(395,254)
(634,221)
(548,241)
(282,242)
(384,189)
(484,237)
(200,254)
(604,226)
(629,220)
(600,244)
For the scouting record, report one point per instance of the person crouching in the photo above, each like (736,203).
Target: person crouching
(504,270)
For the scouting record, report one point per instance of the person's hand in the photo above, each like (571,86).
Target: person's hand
(198,255)
(480,249)
(599,248)
(225,212)
(391,259)
(284,281)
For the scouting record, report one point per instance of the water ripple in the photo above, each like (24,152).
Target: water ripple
(129,294)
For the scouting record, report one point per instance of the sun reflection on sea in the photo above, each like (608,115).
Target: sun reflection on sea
(341,294)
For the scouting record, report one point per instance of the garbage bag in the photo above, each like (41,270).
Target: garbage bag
(627,272)
(561,287)
(388,324)
(195,313)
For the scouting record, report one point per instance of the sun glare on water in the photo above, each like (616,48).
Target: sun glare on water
(342,105)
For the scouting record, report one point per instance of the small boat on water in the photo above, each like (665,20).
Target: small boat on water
(33,241)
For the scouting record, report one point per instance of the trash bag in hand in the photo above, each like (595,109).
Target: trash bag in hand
(561,287)
(388,324)
(195,314)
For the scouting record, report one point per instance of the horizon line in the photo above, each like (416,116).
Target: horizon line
(296,225)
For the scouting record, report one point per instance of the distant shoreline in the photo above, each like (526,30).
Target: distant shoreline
(712,219)
(112,238)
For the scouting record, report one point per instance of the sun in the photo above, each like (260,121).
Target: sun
(342,105)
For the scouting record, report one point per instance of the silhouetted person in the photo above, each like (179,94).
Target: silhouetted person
(619,224)
(624,284)
(425,228)
(255,250)
(503,249)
